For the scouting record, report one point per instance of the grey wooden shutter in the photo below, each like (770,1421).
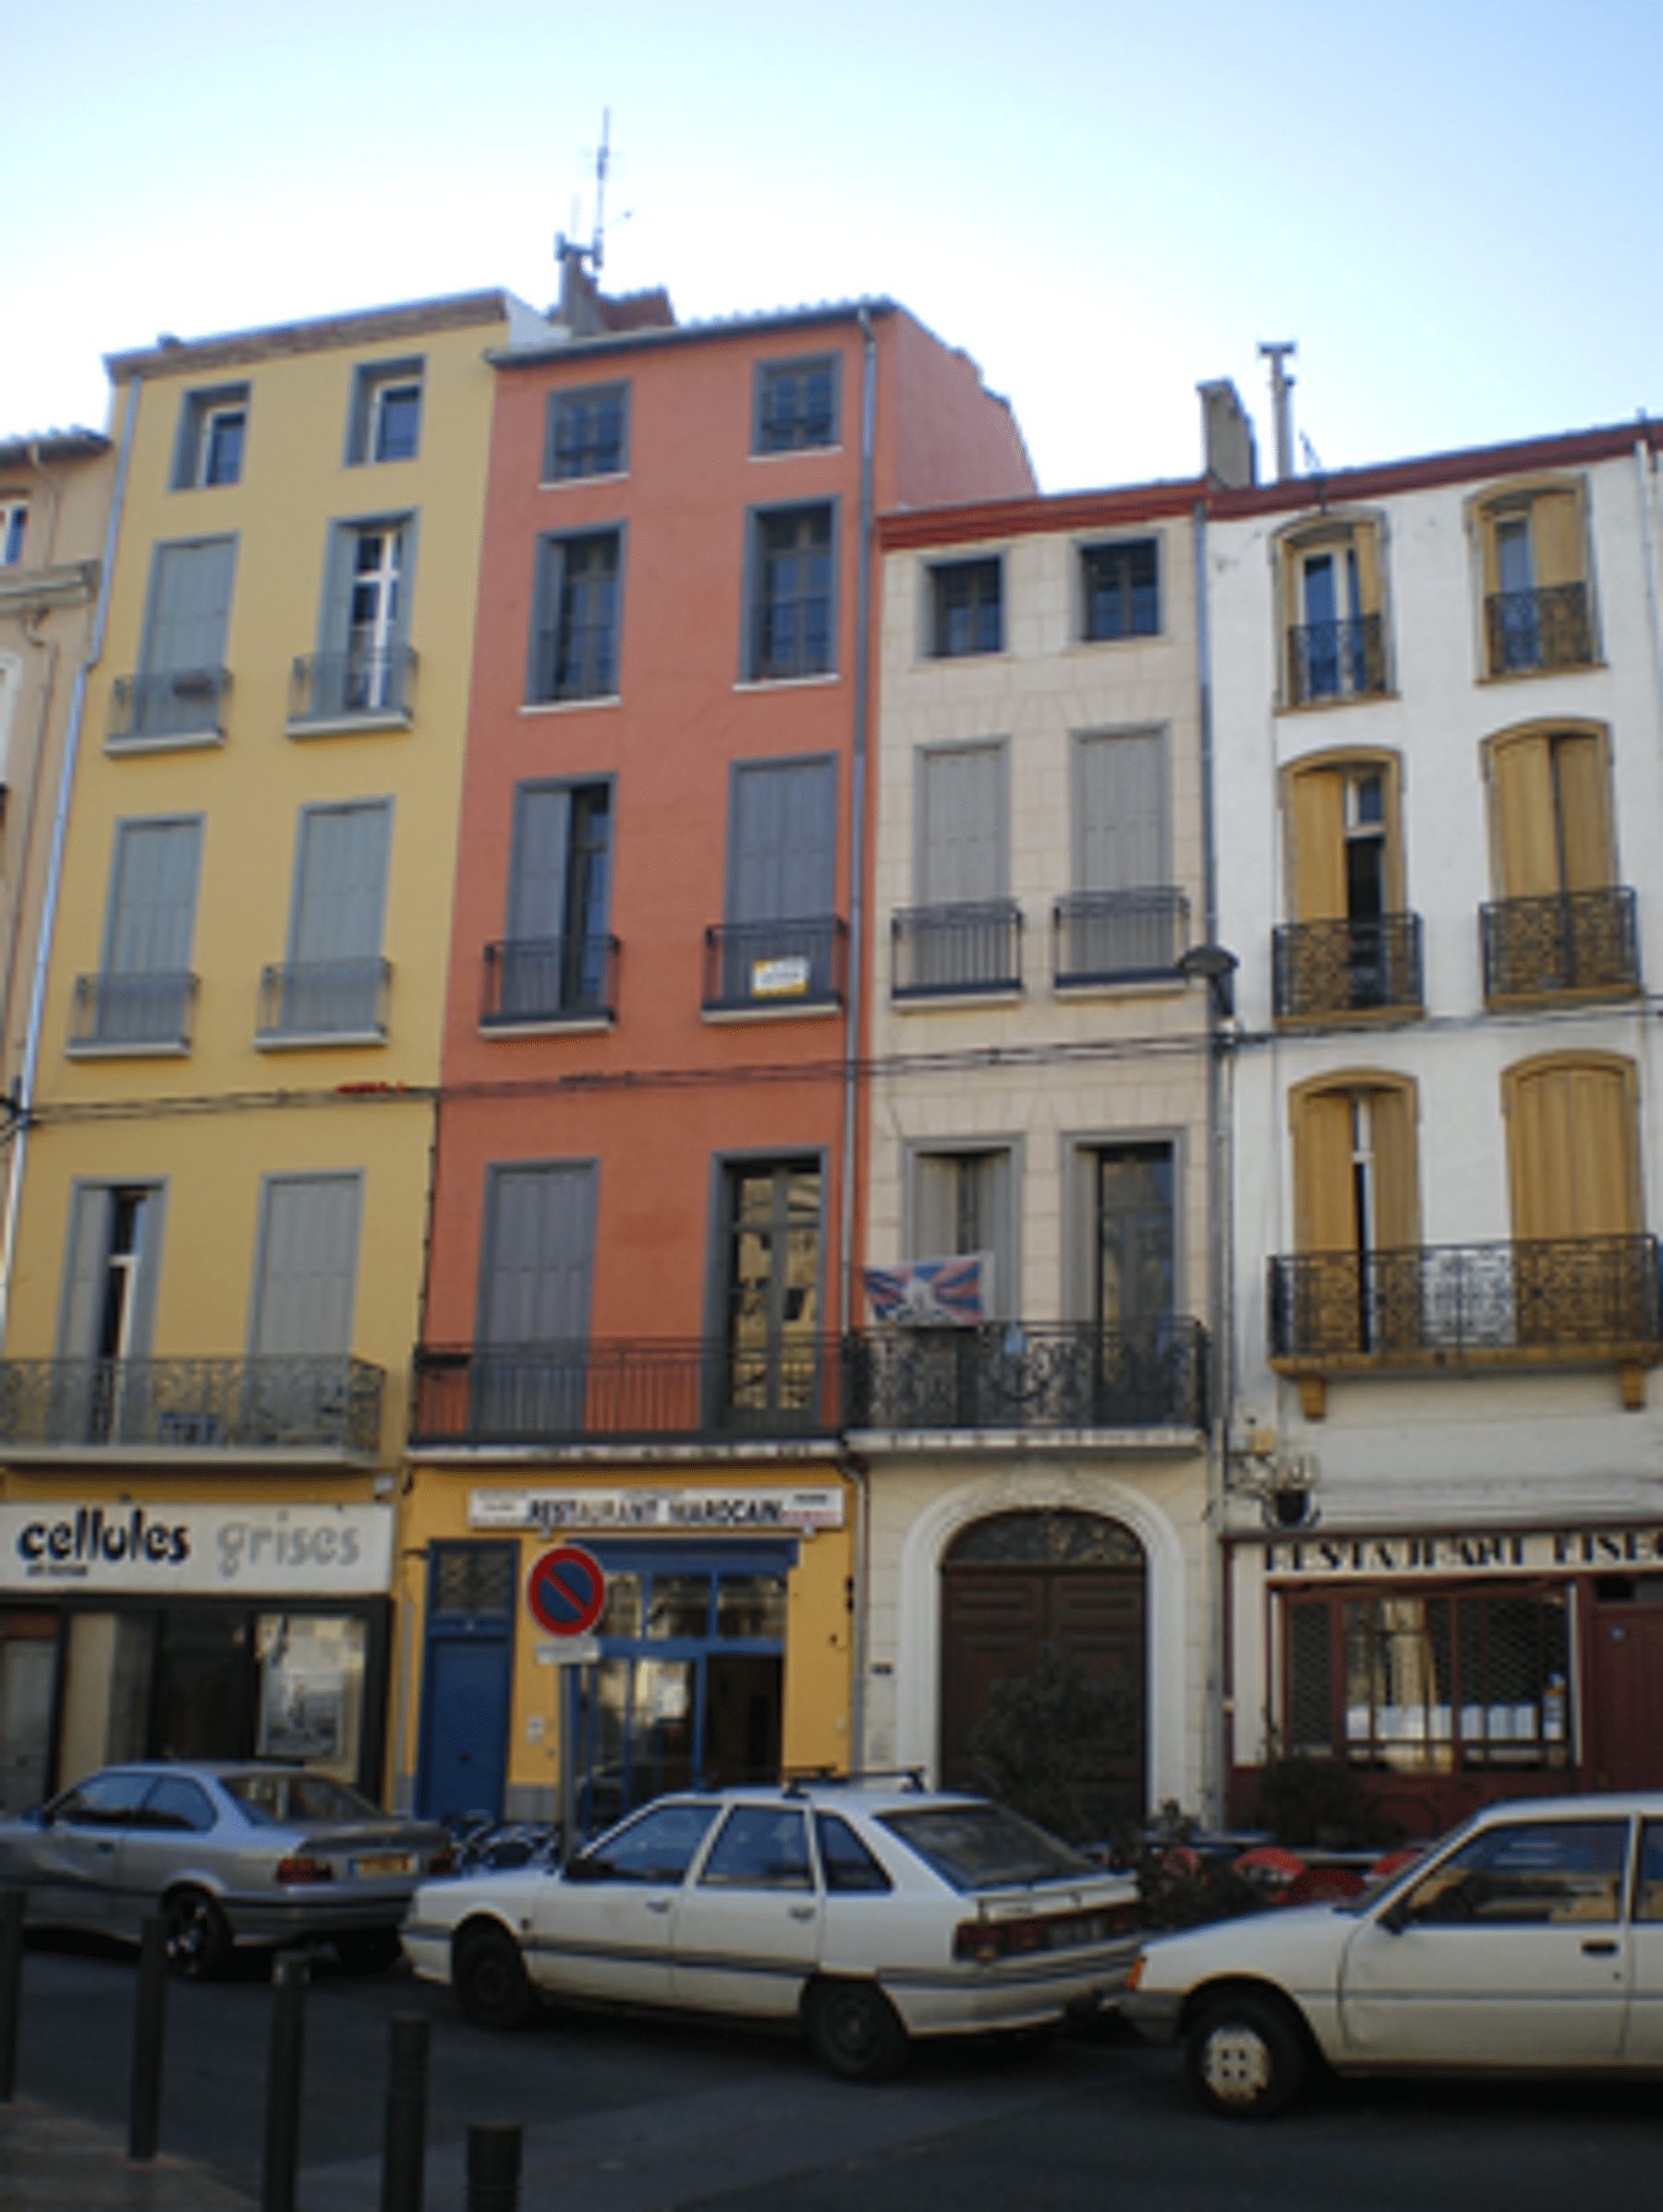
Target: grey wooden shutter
(85,1266)
(190,604)
(308,1265)
(152,898)
(963,842)
(549,588)
(537,881)
(340,887)
(781,841)
(1120,813)
(539,1248)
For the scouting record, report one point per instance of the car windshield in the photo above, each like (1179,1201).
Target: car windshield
(277,1797)
(985,1847)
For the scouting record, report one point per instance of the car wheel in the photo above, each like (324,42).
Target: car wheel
(489,1976)
(853,2030)
(198,1935)
(368,1950)
(1246,2057)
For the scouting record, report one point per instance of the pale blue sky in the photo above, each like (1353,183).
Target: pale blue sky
(1449,203)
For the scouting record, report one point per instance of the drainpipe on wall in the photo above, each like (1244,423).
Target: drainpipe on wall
(24,1095)
(854,1002)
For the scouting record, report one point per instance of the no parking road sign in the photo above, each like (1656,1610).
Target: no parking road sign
(566,1590)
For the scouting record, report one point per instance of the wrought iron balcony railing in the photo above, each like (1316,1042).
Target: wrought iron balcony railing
(1118,936)
(975,945)
(179,702)
(1577,940)
(1539,1301)
(799,963)
(1336,660)
(191,1406)
(1016,1375)
(351,685)
(1544,628)
(625,1390)
(114,1011)
(550,979)
(323,998)
(1329,968)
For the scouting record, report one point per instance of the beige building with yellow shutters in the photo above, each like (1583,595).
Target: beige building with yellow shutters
(223,1177)
(1439,736)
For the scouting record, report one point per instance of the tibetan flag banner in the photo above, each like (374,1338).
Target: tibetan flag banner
(932,1293)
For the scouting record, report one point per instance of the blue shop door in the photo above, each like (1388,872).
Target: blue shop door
(466,1748)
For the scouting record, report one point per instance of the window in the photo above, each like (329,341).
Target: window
(770,1266)
(659,1847)
(795,405)
(791,594)
(14,521)
(1537,610)
(761,1847)
(845,1862)
(181,682)
(780,940)
(1121,594)
(209,449)
(530,1357)
(588,434)
(575,621)
(965,933)
(965,1200)
(333,981)
(1562,923)
(965,598)
(385,423)
(141,994)
(1332,612)
(363,665)
(556,958)
(110,1276)
(305,1270)
(1360,1285)
(1571,1154)
(1351,949)
(1124,919)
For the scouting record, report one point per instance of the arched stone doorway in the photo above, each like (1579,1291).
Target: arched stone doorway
(1018,1581)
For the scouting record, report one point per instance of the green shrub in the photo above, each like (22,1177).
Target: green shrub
(1055,1745)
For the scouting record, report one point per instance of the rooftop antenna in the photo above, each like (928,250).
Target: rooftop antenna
(566,247)
(1281,401)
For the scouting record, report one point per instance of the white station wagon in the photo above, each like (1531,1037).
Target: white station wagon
(1529,1939)
(865,1915)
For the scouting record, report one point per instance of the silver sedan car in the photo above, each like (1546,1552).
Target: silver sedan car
(252,1852)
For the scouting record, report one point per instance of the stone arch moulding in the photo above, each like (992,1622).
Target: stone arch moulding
(919,1647)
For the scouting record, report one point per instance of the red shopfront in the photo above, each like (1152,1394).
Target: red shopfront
(1447,1668)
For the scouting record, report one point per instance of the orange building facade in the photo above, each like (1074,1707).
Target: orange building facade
(642,1229)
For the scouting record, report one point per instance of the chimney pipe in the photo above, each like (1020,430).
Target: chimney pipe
(1282,401)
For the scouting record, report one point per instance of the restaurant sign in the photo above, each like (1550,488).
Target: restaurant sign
(1466,1552)
(659,1512)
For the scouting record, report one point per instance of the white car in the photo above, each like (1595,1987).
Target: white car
(1529,1939)
(865,1915)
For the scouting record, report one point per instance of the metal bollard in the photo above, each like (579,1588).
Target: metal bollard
(289,1976)
(404,2149)
(11,1988)
(493,2166)
(144,2110)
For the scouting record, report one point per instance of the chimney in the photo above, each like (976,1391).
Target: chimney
(578,312)
(1281,401)
(1227,438)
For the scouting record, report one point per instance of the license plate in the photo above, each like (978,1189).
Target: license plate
(384,1862)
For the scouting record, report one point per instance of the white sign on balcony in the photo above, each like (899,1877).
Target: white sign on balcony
(779,979)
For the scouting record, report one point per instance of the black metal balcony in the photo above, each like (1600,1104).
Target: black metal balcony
(1575,942)
(1047,1376)
(1558,1300)
(775,964)
(1343,967)
(323,998)
(117,1013)
(535,979)
(1336,660)
(939,952)
(180,702)
(624,1390)
(1118,936)
(194,1408)
(352,686)
(1544,628)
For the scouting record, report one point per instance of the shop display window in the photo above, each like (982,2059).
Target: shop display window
(311,1689)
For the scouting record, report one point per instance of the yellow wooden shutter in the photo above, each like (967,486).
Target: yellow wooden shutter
(1396,1210)
(1324,1192)
(1521,778)
(1556,538)
(1367,546)
(1579,764)
(1488,560)
(1571,1152)
(1318,808)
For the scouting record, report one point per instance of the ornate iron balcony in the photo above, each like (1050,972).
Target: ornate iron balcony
(799,963)
(975,945)
(550,979)
(112,1012)
(1542,1301)
(1336,660)
(1544,628)
(1329,968)
(180,702)
(1015,1375)
(1577,940)
(695,1390)
(323,998)
(193,1406)
(1118,936)
(345,687)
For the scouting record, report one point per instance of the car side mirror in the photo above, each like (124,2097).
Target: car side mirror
(1395,1918)
(584,1869)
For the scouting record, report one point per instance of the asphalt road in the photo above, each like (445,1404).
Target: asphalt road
(630,2116)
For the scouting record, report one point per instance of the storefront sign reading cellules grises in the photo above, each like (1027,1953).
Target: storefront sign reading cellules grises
(276,1551)
(681,1513)
(1483,1551)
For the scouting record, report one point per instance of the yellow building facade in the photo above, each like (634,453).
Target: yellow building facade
(220,1243)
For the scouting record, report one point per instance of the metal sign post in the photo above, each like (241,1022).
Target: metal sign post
(565,1592)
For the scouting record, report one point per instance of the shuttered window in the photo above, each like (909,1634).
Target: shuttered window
(966,1203)
(1121,841)
(962,836)
(780,839)
(1552,814)
(143,987)
(307,1265)
(1574,1169)
(1354,1174)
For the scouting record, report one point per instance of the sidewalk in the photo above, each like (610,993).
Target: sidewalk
(48,2159)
